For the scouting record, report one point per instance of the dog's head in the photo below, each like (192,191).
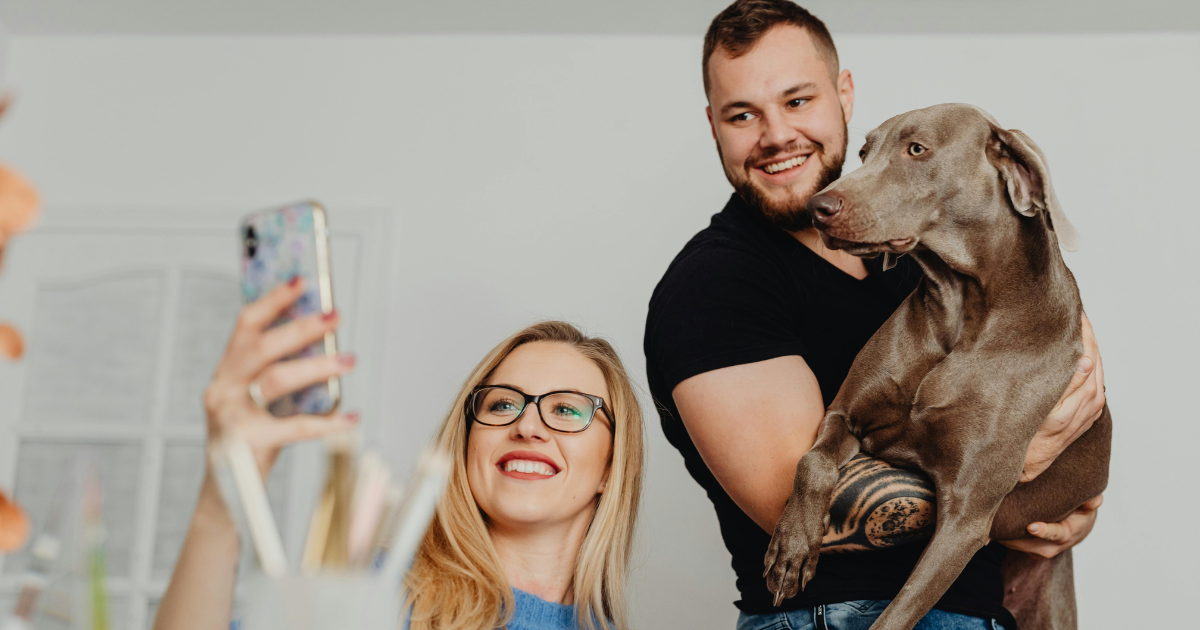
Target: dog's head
(939,178)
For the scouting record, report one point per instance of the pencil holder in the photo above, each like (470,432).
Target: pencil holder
(322,602)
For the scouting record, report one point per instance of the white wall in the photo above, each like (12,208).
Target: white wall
(556,176)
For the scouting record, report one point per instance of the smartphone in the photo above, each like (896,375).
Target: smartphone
(280,244)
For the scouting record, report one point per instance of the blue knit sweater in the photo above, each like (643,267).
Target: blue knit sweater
(534,613)
(530,612)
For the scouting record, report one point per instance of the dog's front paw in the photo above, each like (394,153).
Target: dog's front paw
(791,559)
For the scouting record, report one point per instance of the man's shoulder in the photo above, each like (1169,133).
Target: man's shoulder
(713,251)
(712,266)
(726,299)
(721,273)
(727,250)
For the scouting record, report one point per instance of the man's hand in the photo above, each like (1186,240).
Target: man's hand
(1050,539)
(1079,407)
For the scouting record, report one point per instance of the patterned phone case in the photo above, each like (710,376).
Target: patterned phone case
(278,245)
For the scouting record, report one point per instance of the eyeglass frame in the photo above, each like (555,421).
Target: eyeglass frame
(598,404)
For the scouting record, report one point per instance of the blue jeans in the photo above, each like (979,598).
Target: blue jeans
(856,615)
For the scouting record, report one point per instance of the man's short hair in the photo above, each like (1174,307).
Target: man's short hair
(736,29)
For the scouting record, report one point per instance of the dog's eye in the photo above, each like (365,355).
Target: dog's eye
(915,149)
(862,154)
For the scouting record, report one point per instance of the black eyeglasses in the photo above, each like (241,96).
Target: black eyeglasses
(565,412)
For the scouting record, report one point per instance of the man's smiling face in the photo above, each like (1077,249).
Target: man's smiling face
(779,115)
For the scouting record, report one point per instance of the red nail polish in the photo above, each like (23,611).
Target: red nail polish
(294,281)
(330,315)
(353,416)
(347,360)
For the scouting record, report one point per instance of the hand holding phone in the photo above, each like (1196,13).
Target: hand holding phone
(277,246)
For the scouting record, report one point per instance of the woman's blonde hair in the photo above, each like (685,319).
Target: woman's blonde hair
(457,583)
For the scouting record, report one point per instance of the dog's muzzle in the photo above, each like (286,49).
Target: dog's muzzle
(823,208)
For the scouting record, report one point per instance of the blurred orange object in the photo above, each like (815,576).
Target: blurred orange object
(14,525)
(18,208)
(11,345)
(18,203)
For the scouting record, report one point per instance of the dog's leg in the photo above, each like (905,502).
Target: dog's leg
(791,559)
(967,499)
(1078,474)
(873,396)
(1040,592)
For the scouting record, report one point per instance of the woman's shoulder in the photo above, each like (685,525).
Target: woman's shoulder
(531,612)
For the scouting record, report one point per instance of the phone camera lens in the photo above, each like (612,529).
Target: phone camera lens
(250,241)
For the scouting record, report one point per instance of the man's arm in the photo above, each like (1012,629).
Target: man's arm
(751,423)
(876,505)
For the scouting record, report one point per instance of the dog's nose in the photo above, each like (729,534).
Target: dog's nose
(824,207)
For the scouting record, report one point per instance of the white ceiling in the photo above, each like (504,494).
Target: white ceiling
(285,17)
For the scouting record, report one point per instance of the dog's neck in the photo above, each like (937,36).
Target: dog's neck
(967,283)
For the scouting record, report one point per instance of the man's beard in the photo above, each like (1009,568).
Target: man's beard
(789,214)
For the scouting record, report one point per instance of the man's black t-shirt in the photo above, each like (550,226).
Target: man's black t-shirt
(743,291)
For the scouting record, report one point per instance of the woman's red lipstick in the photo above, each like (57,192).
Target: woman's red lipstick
(532,456)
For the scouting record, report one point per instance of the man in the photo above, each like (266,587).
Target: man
(754,326)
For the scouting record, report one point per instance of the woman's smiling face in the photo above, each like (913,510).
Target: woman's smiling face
(526,475)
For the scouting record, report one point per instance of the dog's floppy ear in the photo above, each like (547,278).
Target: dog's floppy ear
(1024,169)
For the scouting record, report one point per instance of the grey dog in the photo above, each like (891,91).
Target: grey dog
(958,380)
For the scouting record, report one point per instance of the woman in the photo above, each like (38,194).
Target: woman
(536,527)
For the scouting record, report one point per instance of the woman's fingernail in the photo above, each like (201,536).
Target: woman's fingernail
(347,359)
(1036,528)
(1085,365)
(294,281)
(330,315)
(353,417)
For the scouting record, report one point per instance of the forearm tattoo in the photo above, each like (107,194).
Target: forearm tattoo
(876,505)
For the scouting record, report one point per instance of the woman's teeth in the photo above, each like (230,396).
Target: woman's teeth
(783,166)
(528,466)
